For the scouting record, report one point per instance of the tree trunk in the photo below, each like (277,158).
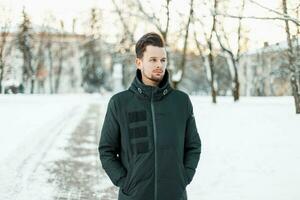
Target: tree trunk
(57,81)
(32,85)
(32,73)
(1,75)
(183,58)
(291,57)
(50,68)
(212,75)
(210,57)
(295,90)
(236,83)
(236,89)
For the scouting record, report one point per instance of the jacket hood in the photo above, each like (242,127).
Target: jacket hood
(146,91)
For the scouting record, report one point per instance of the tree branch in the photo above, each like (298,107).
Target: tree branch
(262,18)
(285,16)
(152,18)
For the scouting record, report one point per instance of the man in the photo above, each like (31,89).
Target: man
(149,145)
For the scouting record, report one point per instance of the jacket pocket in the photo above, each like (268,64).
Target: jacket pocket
(124,188)
(140,169)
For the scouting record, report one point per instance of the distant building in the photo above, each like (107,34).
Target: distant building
(265,71)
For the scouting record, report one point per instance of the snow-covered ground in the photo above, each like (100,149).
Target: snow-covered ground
(250,149)
(38,143)
(21,116)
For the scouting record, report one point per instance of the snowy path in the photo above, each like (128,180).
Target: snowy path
(57,158)
(23,166)
(79,174)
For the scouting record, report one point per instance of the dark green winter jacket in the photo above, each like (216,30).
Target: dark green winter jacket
(149,145)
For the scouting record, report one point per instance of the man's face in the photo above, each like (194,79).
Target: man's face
(152,65)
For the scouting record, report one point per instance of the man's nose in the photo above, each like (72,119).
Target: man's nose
(159,65)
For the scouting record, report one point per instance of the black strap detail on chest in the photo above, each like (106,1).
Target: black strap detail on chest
(137,116)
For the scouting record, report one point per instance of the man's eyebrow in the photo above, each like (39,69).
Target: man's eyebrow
(157,57)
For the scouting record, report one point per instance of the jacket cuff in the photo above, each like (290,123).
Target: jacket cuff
(190,174)
(121,182)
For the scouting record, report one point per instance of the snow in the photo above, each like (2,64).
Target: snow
(250,149)
(21,115)
(34,132)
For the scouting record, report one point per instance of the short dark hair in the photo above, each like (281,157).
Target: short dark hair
(151,38)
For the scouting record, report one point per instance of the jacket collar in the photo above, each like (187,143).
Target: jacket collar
(146,91)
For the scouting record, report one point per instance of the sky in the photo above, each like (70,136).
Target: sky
(259,30)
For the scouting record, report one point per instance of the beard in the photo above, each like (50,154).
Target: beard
(154,78)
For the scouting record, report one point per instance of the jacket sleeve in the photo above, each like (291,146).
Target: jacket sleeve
(192,146)
(109,147)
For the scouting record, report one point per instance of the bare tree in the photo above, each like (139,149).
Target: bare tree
(208,36)
(294,68)
(124,54)
(40,64)
(201,49)
(210,55)
(49,51)
(234,56)
(4,28)
(183,57)
(292,54)
(60,54)
(92,69)
(24,39)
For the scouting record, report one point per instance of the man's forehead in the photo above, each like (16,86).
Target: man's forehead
(154,51)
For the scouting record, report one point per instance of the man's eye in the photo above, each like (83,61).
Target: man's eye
(153,60)
(163,60)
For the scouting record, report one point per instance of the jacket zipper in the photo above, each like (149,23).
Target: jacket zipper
(155,150)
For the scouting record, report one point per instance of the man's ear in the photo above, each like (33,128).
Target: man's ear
(138,63)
